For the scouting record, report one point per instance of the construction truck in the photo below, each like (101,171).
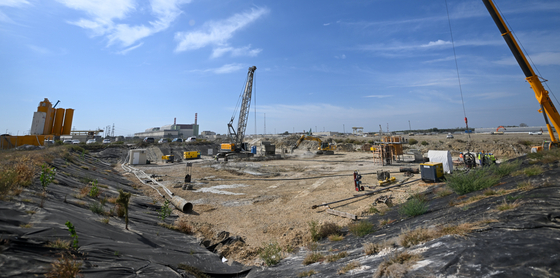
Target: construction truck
(497,132)
(324,147)
(236,147)
(547,107)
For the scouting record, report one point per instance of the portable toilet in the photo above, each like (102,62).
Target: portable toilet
(137,156)
(254,149)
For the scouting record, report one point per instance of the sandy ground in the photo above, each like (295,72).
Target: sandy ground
(264,201)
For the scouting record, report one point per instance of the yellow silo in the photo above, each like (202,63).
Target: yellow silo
(58,119)
(68,117)
(45,106)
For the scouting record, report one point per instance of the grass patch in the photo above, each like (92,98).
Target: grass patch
(374,248)
(415,206)
(193,271)
(31,212)
(420,235)
(442,192)
(396,265)
(348,267)
(481,178)
(313,257)
(525,186)
(372,209)
(96,207)
(545,156)
(59,244)
(65,266)
(335,237)
(533,171)
(334,258)
(325,230)
(507,206)
(105,220)
(361,228)
(183,226)
(271,253)
(26,226)
(307,273)
(383,222)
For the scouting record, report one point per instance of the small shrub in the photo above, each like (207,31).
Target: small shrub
(271,253)
(328,229)
(424,143)
(415,206)
(505,169)
(489,192)
(396,265)
(383,222)
(96,207)
(165,210)
(314,230)
(371,248)
(65,267)
(361,228)
(307,273)
(410,238)
(507,206)
(313,257)
(94,191)
(524,186)
(73,234)
(84,167)
(348,267)
(183,226)
(26,226)
(412,141)
(105,220)
(122,201)
(334,258)
(59,244)
(120,210)
(47,176)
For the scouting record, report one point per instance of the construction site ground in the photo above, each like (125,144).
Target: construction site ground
(264,201)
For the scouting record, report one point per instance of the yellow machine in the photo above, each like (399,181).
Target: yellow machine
(431,171)
(191,155)
(547,107)
(324,147)
(168,158)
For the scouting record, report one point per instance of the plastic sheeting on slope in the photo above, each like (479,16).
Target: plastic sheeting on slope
(106,250)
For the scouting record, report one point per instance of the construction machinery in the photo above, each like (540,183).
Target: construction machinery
(324,147)
(236,146)
(497,132)
(547,107)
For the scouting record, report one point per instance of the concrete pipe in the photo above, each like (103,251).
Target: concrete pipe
(410,170)
(181,204)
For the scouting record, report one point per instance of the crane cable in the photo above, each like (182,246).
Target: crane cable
(458,77)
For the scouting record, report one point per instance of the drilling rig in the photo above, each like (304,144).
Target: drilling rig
(236,147)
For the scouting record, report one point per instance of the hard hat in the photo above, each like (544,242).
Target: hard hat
(461,152)
(490,153)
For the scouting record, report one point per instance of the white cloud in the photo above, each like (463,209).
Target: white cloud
(223,69)
(340,57)
(123,52)
(217,33)
(104,14)
(13,3)
(243,51)
(436,43)
(38,49)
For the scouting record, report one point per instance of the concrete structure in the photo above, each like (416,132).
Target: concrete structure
(137,156)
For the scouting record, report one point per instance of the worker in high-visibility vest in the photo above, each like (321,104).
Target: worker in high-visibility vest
(492,158)
(481,158)
(461,156)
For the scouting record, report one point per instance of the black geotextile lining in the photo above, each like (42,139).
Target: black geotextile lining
(524,242)
(107,250)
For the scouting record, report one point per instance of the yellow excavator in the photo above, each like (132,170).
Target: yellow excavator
(547,107)
(324,147)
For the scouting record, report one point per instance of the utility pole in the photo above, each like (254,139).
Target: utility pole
(315,128)
(264,124)
(343,129)
(387,127)
(409,128)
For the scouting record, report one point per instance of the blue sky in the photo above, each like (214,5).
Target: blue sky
(320,64)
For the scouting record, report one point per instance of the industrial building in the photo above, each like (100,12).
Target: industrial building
(171,131)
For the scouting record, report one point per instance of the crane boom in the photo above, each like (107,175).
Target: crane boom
(236,135)
(547,106)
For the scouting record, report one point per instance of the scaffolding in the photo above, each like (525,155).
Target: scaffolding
(388,151)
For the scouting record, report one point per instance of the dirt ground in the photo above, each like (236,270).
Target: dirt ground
(271,200)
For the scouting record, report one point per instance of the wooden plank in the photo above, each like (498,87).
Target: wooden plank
(343,214)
